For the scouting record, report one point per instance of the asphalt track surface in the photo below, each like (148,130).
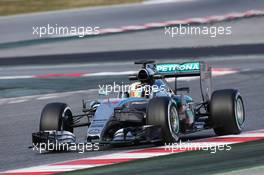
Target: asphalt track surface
(17,28)
(246,38)
(19,120)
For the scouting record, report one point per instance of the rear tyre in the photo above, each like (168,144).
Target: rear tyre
(162,111)
(56,116)
(227,112)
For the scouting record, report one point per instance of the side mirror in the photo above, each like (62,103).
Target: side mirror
(92,106)
(102,93)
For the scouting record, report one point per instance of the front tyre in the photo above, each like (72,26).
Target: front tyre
(162,111)
(56,116)
(227,112)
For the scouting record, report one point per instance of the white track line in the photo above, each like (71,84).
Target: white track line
(47,97)
(17,101)
(43,97)
(16,77)
(128,155)
(245,135)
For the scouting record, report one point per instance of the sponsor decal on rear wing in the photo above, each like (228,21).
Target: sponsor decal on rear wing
(189,69)
(175,69)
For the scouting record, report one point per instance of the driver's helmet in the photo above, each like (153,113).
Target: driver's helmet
(135,90)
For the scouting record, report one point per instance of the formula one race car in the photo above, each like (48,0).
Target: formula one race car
(150,111)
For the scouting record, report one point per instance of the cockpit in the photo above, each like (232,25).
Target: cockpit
(143,90)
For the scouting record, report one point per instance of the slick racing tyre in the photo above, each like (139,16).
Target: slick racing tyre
(162,111)
(56,116)
(227,111)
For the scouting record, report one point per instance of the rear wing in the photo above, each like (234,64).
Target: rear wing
(168,70)
(188,69)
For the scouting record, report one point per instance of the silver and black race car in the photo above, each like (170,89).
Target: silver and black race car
(150,111)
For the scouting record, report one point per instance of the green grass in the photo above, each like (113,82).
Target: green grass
(10,7)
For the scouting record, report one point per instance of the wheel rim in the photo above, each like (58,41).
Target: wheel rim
(239,112)
(174,122)
(66,114)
